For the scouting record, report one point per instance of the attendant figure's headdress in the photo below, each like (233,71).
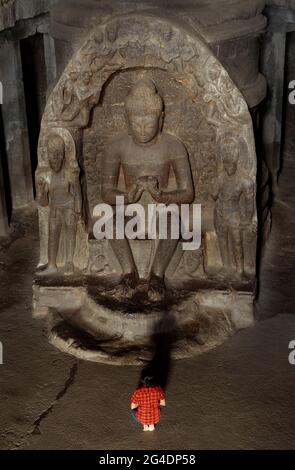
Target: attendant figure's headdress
(55,141)
(230,149)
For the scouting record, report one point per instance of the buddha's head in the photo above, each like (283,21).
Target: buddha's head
(144,111)
(230,156)
(56,153)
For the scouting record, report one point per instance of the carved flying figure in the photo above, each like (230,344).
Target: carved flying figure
(74,100)
(225,105)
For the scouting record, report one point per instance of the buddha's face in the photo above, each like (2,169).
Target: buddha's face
(144,127)
(56,157)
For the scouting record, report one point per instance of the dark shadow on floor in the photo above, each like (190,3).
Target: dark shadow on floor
(163,338)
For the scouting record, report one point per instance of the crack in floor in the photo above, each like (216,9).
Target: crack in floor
(68,383)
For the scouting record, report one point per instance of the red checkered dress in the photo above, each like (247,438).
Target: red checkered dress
(148,401)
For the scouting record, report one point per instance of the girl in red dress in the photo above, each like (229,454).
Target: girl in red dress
(146,402)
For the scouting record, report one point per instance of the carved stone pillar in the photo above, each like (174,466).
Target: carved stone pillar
(15,125)
(50,58)
(7,14)
(280,21)
(3,210)
(18,20)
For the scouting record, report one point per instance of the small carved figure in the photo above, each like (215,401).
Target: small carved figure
(170,50)
(146,155)
(234,209)
(63,196)
(90,49)
(75,99)
(187,51)
(132,50)
(234,105)
(112,31)
(66,93)
(225,105)
(97,53)
(84,87)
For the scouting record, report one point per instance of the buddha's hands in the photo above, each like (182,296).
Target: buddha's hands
(156,193)
(151,185)
(135,193)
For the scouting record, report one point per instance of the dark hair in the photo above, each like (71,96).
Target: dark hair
(148,380)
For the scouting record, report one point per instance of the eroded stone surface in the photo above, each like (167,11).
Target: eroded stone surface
(12,11)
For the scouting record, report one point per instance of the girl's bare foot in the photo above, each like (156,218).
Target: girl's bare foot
(151,427)
(145,427)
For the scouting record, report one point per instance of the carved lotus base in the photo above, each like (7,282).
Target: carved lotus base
(90,324)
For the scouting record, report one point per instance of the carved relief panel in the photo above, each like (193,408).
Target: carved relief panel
(201,109)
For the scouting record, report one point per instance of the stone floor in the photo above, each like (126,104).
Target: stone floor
(240,395)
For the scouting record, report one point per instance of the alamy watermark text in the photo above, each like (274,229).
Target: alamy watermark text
(154,221)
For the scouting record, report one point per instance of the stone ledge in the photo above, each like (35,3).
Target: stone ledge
(16,10)
(214,20)
(281,3)
(218,18)
(209,13)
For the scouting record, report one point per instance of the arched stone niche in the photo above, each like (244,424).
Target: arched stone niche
(203,109)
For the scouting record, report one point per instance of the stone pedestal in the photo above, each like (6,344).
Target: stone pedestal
(81,325)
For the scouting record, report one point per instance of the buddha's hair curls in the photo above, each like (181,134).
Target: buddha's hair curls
(144,98)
